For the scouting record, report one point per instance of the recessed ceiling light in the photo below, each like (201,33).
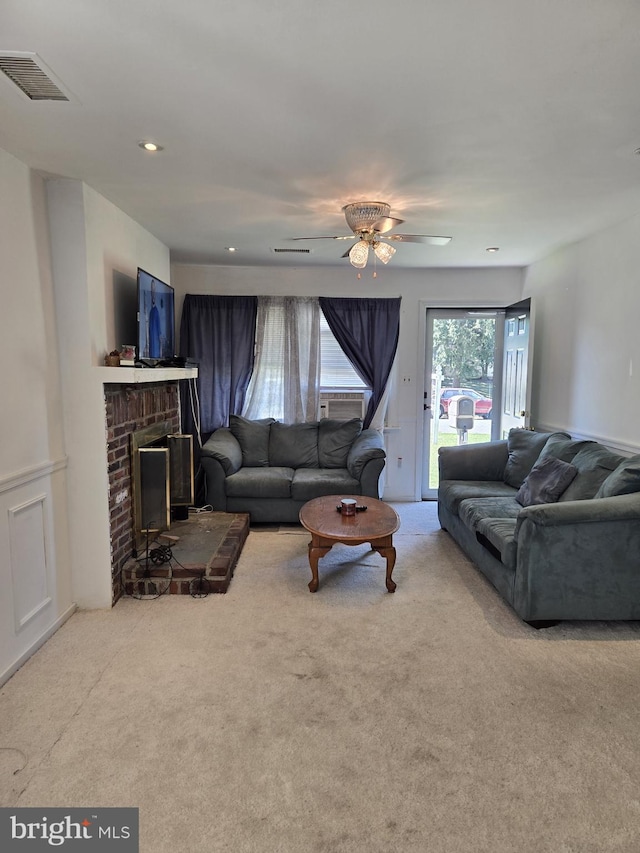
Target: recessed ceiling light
(231,249)
(493,249)
(150,146)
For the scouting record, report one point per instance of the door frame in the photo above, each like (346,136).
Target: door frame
(424,305)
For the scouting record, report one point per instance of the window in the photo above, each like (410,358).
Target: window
(336,371)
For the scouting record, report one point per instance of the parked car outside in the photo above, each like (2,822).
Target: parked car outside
(483,405)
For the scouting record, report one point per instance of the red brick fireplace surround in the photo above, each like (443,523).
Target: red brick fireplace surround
(129,408)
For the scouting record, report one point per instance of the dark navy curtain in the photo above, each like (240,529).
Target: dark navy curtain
(368,332)
(218,332)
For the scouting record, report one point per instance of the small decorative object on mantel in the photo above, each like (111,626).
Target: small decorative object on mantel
(112,359)
(128,355)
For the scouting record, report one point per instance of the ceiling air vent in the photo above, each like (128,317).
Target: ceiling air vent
(292,251)
(31,76)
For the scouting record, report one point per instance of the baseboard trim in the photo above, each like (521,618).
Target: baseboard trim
(33,648)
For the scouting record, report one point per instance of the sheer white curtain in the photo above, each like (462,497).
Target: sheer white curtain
(285,380)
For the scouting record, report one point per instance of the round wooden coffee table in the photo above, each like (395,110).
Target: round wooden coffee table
(376,525)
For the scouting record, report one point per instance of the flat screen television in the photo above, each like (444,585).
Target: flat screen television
(156,318)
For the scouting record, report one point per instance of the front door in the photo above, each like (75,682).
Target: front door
(462,347)
(516,369)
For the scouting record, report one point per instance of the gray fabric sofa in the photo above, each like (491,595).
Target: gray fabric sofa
(270,469)
(576,557)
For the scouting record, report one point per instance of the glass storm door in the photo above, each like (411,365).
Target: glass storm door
(462,347)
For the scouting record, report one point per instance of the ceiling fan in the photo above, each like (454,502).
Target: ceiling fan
(370,221)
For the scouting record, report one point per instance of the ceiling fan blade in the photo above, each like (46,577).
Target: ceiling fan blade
(342,237)
(346,254)
(419,238)
(386,223)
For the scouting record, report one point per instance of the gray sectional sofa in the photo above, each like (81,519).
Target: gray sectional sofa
(574,551)
(270,469)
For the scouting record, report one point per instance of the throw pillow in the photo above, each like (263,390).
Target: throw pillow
(594,464)
(253,438)
(524,447)
(335,439)
(625,480)
(294,445)
(546,481)
(562,448)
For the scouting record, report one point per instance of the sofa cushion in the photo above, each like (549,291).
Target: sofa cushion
(562,448)
(594,465)
(452,492)
(500,533)
(474,510)
(335,439)
(272,482)
(294,445)
(253,438)
(624,480)
(546,481)
(524,446)
(309,483)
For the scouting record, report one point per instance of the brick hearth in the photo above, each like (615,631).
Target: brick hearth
(204,557)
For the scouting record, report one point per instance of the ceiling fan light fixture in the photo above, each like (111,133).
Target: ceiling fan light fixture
(384,252)
(359,253)
(363,215)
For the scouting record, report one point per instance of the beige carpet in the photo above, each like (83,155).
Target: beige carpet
(349,721)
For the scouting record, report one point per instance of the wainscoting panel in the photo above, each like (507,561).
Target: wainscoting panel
(35,573)
(31,584)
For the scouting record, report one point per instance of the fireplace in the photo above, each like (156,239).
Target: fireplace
(161,480)
(128,409)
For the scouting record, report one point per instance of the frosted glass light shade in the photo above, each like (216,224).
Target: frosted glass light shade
(384,252)
(359,253)
(362,215)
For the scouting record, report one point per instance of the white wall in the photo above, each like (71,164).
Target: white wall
(35,576)
(586,377)
(498,286)
(91,241)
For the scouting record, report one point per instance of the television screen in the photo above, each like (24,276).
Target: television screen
(155,317)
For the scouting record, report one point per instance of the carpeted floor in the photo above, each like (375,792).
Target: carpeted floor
(349,721)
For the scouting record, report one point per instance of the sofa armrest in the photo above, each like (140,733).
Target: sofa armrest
(624,508)
(367,446)
(483,461)
(225,447)
(579,560)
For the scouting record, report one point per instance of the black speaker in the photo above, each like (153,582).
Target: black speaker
(154,489)
(181,469)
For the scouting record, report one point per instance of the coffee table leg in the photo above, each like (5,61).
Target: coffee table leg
(389,552)
(315,553)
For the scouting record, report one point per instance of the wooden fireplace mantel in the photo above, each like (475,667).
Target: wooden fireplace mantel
(135,375)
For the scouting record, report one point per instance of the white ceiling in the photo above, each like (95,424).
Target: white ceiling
(505,123)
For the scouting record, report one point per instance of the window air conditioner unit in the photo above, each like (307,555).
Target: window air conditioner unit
(342,407)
